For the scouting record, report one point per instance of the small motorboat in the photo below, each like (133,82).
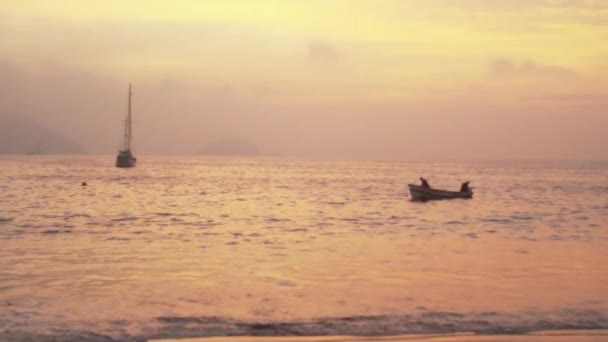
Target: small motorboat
(420,193)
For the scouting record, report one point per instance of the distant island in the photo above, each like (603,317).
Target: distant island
(230,147)
(20,134)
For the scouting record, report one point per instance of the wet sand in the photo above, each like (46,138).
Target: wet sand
(542,336)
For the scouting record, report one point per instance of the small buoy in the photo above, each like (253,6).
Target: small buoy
(84,184)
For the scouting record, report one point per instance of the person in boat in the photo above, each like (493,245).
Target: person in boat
(424,183)
(465,187)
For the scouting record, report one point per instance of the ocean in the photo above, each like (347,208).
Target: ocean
(195,246)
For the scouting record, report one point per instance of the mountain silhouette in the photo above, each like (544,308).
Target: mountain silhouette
(21,134)
(230,147)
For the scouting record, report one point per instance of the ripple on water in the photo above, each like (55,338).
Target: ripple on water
(125,219)
(497,220)
(54,231)
(471,235)
(297,230)
(293,240)
(6,219)
(522,217)
(454,222)
(116,238)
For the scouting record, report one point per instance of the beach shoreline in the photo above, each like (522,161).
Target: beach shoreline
(539,336)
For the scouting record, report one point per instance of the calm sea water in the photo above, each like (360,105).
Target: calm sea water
(192,246)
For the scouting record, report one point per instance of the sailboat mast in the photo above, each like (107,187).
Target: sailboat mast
(129,121)
(126,132)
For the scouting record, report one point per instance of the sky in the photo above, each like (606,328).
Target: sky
(369,79)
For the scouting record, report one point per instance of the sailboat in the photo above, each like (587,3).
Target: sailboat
(125,157)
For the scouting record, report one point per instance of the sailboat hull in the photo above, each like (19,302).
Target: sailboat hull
(126,162)
(125,159)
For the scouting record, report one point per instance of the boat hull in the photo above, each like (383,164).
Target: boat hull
(419,193)
(125,159)
(126,162)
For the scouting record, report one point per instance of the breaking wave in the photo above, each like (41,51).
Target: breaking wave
(487,323)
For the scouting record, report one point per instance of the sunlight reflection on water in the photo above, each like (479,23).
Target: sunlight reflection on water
(290,240)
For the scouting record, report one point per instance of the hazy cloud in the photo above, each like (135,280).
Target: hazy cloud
(573,97)
(322,52)
(540,14)
(507,68)
(528,4)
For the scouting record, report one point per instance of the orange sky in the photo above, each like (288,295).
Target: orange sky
(381,78)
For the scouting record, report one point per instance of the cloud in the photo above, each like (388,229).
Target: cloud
(507,68)
(572,98)
(539,13)
(529,4)
(146,45)
(322,52)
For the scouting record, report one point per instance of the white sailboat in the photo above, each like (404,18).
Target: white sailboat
(125,157)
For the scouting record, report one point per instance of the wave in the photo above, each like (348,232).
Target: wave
(439,322)
(382,325)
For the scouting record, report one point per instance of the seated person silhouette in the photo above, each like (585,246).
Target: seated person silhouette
(424,183)
(464,187)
